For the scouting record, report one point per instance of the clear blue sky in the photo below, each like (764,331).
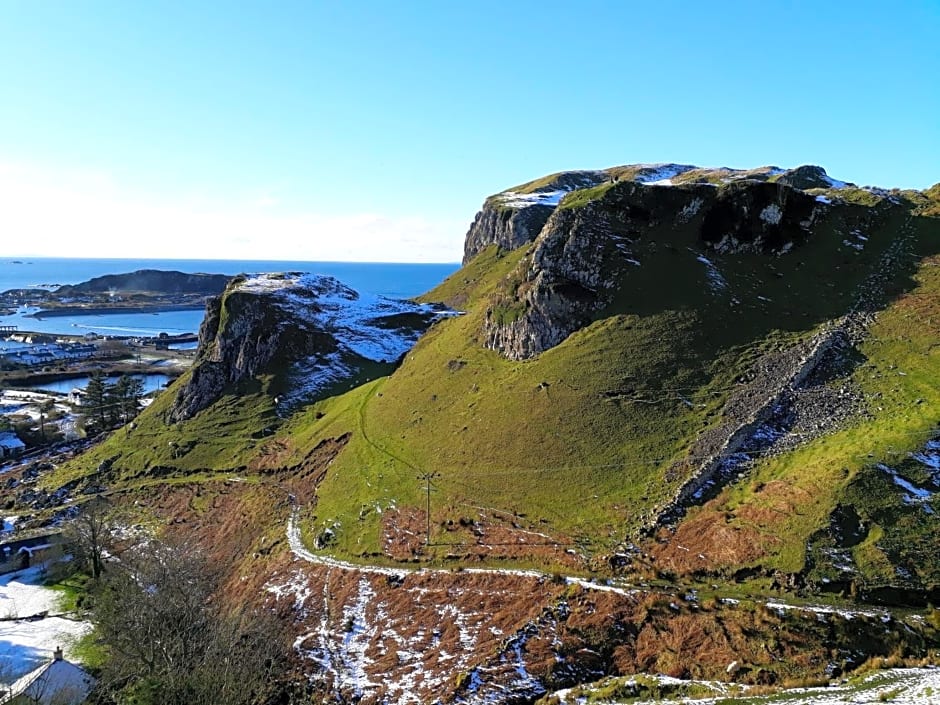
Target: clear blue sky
(373,130)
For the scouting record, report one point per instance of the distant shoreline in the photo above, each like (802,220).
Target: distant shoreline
(106,310)
(18,381)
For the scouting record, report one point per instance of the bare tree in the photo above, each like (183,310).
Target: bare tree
(170,640)
(90,534)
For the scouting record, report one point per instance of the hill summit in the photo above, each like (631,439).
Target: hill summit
(676,401)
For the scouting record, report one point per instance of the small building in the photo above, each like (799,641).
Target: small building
(10,445)
(38,549)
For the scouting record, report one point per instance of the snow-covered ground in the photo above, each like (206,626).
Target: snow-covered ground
(715,280)
(521,200)
(930,456)
(364,325)
(359,321)
(24,645)
(913,493)
(835,183)
(661,174)
(21,405)
(343,657)
(57,682)
(902,686)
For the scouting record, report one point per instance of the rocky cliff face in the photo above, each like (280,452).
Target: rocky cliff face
(513,218)
(508,228)
(312,330)
(587,243)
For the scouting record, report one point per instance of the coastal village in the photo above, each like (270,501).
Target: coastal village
(43,380)
(48,413)
(38,637)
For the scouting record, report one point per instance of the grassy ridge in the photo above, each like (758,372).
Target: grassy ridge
(581,443)
(579,440)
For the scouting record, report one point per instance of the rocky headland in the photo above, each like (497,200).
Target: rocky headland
(146,290)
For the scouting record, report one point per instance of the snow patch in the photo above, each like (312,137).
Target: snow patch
(905,686)
(524,200)
(690,210)
(660,174)
(364,325)
(716,282)
(24,645)
(929,458)
(772,214)
(781,607)
(834,183)
(914,494)
(297,587)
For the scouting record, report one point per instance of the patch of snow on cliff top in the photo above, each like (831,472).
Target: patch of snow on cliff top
(660,174)
(834,183)
(523,200)
(362,323)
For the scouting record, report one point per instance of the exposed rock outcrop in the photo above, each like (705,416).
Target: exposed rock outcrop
(584,250)
(516,216)
(312,329)
(759,218)
(508,228)
(513,218)
(809,176)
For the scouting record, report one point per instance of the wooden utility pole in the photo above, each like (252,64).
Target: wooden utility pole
(427,477)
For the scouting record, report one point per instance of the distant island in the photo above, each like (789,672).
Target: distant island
(142,291)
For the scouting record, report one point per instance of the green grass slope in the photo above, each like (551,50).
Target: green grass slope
(790,506)
(580,445)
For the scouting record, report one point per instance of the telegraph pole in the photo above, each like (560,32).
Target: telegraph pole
(427,477)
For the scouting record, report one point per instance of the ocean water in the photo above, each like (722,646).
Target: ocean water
(395,280)
(119,324)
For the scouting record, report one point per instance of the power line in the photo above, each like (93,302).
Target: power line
(427,477)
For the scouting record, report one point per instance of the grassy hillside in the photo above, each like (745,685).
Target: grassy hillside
(791,500)
(900,374)
(224,438)
(581,445)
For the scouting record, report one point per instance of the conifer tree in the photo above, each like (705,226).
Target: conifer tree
(127,393)
(96,398)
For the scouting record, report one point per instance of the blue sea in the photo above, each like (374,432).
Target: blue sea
(395,280)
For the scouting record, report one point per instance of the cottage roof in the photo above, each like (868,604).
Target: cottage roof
(58,681)
(9,440)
